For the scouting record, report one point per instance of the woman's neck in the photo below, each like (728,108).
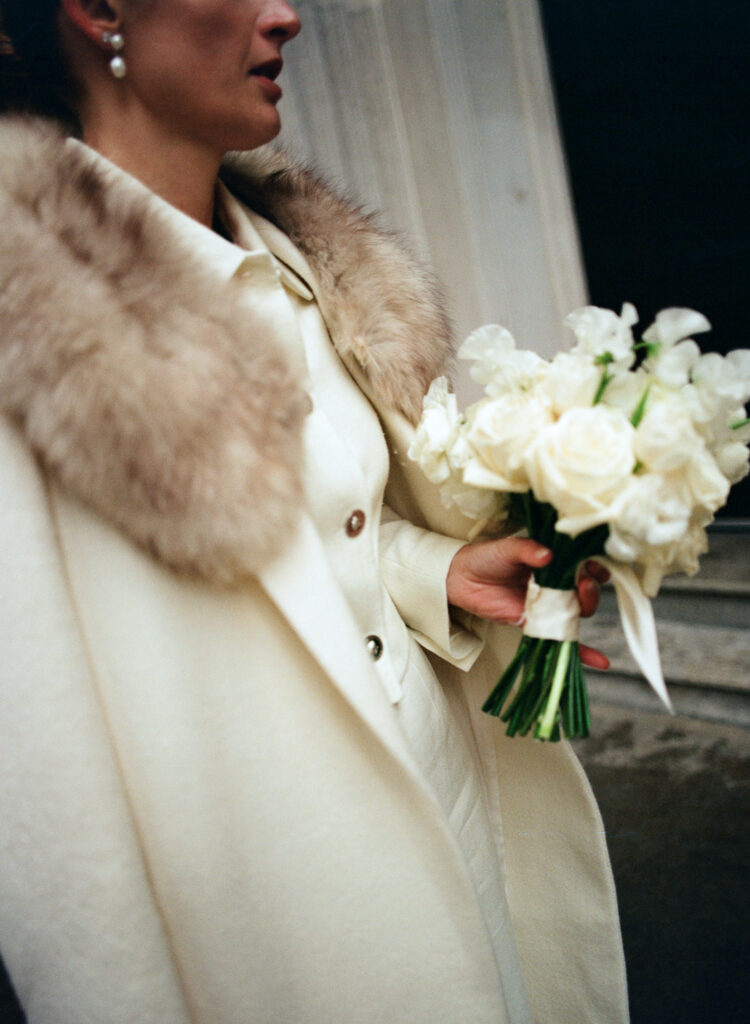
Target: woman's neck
(175,168)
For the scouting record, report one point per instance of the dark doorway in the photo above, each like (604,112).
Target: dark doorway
(653,103)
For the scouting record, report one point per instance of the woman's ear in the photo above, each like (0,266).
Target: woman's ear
(93,18)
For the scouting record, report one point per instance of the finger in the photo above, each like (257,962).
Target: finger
(526,551)
(593,658)
(600,574)
(588,596)
(513,613)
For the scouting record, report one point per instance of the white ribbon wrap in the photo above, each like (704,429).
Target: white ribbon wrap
(551,614)
(554,615)
(637,618)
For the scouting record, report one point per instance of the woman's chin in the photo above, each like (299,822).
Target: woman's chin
(262,130)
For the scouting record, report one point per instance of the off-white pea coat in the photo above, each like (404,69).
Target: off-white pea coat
(208,813)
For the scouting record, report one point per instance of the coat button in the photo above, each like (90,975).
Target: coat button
(374,646)
(355,524)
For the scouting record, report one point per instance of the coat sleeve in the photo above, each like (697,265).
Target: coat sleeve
(414,565)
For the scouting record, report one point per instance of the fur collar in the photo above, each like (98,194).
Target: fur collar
(143,391)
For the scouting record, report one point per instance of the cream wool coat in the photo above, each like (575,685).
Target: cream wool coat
(208,813)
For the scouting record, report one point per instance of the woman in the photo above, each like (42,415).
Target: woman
(245,777)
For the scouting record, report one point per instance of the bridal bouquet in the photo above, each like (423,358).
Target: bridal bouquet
(616,450)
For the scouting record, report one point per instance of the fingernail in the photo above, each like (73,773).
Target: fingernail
(594,567)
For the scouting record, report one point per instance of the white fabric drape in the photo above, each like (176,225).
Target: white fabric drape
(440,113)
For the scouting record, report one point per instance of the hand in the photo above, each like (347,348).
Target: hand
(489,579)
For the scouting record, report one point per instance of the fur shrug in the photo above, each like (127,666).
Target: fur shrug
(143,390)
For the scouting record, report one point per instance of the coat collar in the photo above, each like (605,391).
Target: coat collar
(141,383)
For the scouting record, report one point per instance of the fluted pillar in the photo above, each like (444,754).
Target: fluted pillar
(440,114)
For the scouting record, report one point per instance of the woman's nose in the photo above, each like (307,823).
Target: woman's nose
(281,21)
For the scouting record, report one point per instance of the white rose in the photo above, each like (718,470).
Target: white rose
(601,333)
(436,432)
(498,432)
(572,380)
(581,465)
(498,366)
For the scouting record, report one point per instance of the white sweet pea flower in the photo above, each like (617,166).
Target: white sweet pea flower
(672,367)
(723,379)
(738,426)
(603,335)
(498,366)
(680,556)
(626,389)
(707,485)
(698,483)
(670,358)
(739,362)
(686,552)
(727,438)
(666,438)
(673,324)
(649,513)
(707,418)
(440,449)
(581,464)
(436,432)
(656,531)
(498,432)
(733,461)
(572,380)
(485,506)
(717,425)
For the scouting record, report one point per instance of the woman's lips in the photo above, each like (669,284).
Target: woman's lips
(266,74)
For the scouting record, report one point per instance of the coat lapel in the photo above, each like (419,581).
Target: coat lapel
(326,626)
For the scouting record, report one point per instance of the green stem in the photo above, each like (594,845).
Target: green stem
(603,382)
(547,722)
(640,409)
(494,703)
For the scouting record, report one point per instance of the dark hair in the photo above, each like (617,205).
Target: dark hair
(33,76)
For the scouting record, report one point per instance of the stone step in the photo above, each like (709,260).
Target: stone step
(607,689)
(688,605)
(703,622)
(725,566)
(696,653)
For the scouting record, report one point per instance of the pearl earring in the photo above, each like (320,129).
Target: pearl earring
(117,65)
